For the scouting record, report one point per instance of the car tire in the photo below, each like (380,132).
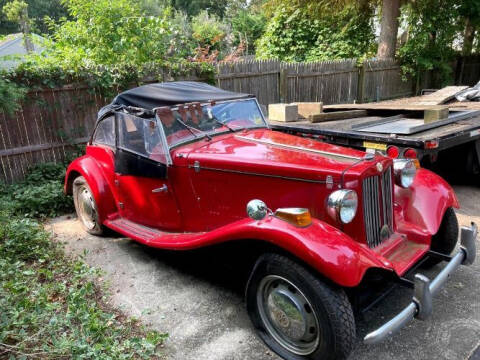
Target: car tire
(446,238)
(296,314)
(86,207)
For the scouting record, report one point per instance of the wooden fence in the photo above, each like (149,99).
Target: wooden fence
(332,82)
(45,128)
(51,121)
(468,70)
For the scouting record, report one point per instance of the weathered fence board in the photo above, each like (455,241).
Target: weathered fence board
(46,126)
(383,81)
(332,82)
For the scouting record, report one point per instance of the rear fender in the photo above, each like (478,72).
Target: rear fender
(424,203)
(87,167)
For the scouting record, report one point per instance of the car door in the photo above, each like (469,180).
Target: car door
(145,193)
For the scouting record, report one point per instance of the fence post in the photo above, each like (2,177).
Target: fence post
(283,89)
(361,83)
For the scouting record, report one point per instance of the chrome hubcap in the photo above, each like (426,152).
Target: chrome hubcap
(86,205)
(288,315)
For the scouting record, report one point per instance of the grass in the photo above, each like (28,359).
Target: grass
(51,306)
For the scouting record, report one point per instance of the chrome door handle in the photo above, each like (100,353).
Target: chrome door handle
(164,188)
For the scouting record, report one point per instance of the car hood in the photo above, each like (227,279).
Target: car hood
(267,152)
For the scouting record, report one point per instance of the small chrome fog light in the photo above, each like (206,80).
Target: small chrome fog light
(257,209)
(342,205)
(404,171)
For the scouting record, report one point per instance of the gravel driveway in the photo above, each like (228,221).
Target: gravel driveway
(196,300)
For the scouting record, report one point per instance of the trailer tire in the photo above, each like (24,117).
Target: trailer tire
(445,240)
(321,327)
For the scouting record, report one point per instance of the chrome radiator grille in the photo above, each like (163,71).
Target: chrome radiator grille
(378,207)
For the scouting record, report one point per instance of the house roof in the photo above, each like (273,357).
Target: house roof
(12,48)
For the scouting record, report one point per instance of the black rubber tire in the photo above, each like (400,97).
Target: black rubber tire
(446,238)
(78,184)
(330,303)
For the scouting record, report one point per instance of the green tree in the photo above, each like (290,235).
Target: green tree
(247,26)
(297,32)
(430,37)
(17,10)
(470,23)
(194,7)
(37,11)
(110,32)
(209,30)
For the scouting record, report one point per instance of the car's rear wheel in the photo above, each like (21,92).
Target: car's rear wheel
(86,207)
(296,314)
(446,238)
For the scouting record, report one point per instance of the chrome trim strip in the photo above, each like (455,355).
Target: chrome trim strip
(292,147)
(419,307)
(259,174)
(163,138)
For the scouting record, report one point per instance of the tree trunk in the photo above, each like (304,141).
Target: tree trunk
(388,29)
(468,38)
(25,25)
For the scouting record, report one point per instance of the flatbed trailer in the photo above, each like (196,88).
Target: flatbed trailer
(450,148)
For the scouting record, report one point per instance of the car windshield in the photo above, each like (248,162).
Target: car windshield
(190,121)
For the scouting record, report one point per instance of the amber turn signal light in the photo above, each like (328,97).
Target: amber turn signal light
(297,216)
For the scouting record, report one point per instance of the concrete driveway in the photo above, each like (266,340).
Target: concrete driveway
(198,301)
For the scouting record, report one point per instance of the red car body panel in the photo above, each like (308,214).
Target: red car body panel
(210,183)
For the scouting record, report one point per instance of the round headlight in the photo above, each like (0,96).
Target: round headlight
(342,205)
(404,171)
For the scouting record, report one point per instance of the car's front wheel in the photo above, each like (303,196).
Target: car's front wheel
(86,207)
(296,314)
(446,238)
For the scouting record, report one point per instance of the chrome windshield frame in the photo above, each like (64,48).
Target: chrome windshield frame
(202,136)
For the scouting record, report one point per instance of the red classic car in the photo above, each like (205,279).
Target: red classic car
(184,165)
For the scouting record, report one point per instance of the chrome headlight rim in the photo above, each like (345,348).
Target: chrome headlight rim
(342,205)
(404,171)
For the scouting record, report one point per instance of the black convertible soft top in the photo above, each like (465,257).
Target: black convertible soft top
(168,93)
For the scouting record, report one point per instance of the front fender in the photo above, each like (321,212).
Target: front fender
(425,201)
(326,249)
(87,167)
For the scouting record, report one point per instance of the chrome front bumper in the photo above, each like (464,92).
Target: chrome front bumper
(421,305)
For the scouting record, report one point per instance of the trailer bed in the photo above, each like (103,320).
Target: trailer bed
(341,132)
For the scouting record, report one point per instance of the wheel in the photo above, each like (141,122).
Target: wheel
(297,315)
(445,240)
(86,207)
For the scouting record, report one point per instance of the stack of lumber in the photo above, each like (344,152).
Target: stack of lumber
(435,106)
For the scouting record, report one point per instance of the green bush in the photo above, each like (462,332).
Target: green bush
(44,199)
(45,172)
(50,306)
(294,33)
(11,95)
(40,195)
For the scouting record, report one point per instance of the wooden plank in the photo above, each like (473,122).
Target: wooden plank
(336,115)
(441,96)
(39,147)
(378,106)
(435,113)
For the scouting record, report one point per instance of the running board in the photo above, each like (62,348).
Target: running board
(135,231)
(154,237)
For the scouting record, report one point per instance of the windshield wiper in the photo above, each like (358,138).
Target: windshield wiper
(191,128)
(223,124)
